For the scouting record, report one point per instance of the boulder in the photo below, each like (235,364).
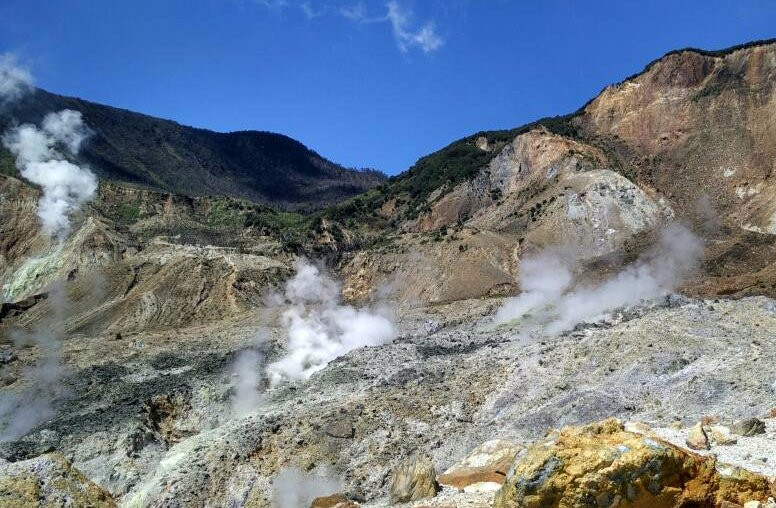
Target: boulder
(413,479)
(333,501)
(697,439)
(722,438)
(748,427)
(340,428)
(484,469)
(603,465)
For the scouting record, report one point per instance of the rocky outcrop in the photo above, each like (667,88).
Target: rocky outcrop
(48,481)
(697,124)
(454,265)
(603,465)
(698,439)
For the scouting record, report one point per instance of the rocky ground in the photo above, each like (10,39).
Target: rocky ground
(147,417)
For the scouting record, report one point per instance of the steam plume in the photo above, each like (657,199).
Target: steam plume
(65,185)
(320,328)
(292,488)
(248,382)
(547,280)
(21,411)
(14,80)
(543,279)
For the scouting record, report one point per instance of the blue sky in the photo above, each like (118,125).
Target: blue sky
(364,83)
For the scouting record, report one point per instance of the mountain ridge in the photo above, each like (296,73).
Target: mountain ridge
(160,154)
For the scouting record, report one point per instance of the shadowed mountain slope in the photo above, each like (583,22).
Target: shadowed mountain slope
(163,155)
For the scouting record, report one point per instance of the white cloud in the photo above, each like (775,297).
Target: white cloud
(272,4)
(425,38)
(355,12)
(311,12)
(406,34)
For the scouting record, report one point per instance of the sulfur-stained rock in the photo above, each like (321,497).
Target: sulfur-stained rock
(484,469)
(414,479)
(48,481)
(603,465)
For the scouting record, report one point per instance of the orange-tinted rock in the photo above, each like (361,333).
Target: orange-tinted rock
(485,468)
(603,465)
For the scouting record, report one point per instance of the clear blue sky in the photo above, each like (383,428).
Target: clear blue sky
(370,83)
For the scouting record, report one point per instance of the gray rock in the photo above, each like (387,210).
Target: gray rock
(7,356)
(341,428)
(748,427)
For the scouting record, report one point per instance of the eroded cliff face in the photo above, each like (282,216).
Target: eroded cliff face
(136,260)
(691,139)
(695,126)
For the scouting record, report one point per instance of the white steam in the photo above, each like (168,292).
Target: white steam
(65,185)
(543,279)
(23,410)
(14,80)
(292,488)
(248,382)
(321,328)
(547,282)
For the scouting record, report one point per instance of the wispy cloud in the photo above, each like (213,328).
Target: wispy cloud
(400,19)
(311,12)
(424,38)
(406,33)
(354,12)
(272,4)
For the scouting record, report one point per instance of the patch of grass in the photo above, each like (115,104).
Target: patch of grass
(7,163)
(128,213)
(292,229)
(225,212)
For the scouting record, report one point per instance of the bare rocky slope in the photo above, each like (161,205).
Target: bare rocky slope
(149,304)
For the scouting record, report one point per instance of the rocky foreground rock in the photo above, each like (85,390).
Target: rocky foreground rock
(49,481)
(603,465)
